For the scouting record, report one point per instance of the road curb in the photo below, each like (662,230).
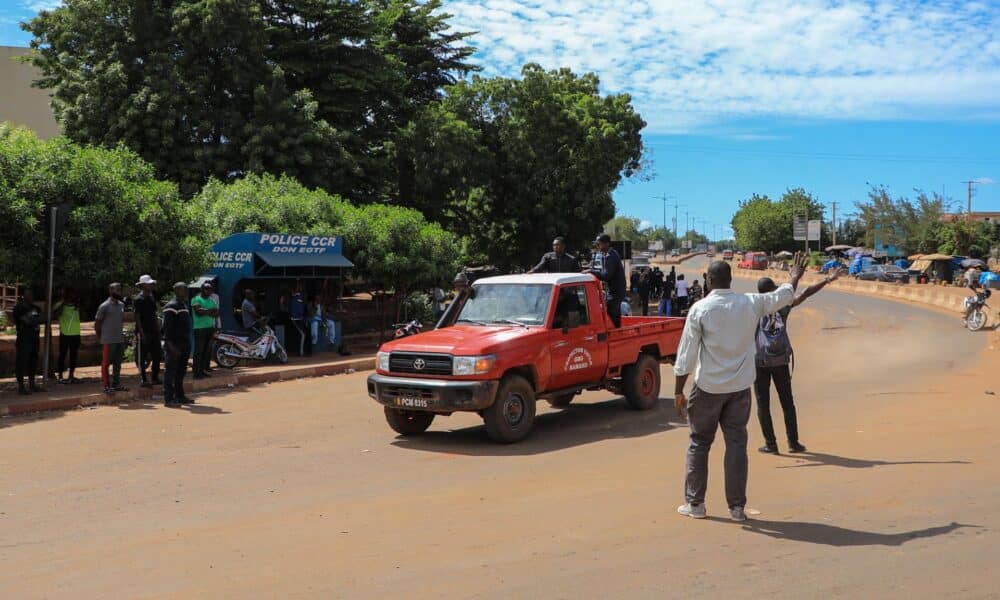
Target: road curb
(926,295)
(218,381)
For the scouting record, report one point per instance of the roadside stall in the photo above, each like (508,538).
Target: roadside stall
(276,266)
(931,268)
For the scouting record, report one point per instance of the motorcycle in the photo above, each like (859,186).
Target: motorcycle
(977,310)
(230,348)
(407,329)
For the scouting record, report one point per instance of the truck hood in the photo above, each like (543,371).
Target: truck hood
(465,340)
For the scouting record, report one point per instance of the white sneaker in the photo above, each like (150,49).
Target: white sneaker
(695,512)
(737,514)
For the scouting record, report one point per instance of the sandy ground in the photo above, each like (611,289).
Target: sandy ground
(300,490)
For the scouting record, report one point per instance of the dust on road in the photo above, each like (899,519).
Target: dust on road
(300,490)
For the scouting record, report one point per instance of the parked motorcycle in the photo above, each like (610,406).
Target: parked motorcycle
(407,329)
(977,310)
(230,348)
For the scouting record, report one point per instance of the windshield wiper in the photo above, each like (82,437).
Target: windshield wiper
(473,321)
(510,321)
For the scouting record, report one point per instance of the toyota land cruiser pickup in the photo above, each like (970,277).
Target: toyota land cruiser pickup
(515,339)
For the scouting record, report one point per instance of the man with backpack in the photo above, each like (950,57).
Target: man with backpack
(774,359)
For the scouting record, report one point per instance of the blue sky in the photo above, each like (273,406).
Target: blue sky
(756,96)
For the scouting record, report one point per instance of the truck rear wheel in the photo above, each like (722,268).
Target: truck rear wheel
(510,417)
(641,383)
(561,400)
(408,422)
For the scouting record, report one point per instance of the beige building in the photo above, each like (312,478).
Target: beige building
(20,103)
(978,217)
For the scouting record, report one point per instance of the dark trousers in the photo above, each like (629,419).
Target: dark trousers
(706,413)
(111,364)
(644,303)
(303,339)
(173,374)
(202,350)
(782,377)
(682,304)
(69,345)
(150,354)
(615,311)
(26,359)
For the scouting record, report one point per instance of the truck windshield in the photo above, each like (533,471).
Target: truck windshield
(503,303)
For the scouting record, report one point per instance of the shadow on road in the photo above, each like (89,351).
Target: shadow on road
(831,535)
(818,459)
(575,425)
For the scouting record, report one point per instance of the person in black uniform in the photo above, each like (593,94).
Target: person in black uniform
(557,261)
(177,336)
(612,272)
(27,319)
(148,328)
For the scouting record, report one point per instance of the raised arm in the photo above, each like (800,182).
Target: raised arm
(809,291)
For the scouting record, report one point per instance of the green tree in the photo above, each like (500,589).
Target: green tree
(765,224)
(540,156)
(913,226)
(122,221)
(316,89)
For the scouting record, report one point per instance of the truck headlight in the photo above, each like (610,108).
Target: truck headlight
(473,365)
(382,361)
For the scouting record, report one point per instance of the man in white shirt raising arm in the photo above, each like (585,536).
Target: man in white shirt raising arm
(718,346)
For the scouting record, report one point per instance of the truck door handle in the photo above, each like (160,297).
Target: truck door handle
(560,344)
(589,338)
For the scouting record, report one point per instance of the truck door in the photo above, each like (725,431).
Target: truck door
(578,343)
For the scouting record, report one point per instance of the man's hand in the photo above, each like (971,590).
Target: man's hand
(834,275)
(798,268)
(680,403)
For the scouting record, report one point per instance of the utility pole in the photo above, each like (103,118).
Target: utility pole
(665,197)
(971,183)
(834,223)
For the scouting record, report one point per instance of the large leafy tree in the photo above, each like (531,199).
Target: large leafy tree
(513,162)
(913,225)
(122,221)
(203,89)
(765,224)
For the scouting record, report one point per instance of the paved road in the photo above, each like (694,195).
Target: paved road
(300,490)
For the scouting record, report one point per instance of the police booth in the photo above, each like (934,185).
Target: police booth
(275,266)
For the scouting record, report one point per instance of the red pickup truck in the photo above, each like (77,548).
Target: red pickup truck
(512,340)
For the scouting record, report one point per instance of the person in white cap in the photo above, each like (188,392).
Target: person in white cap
(147,326)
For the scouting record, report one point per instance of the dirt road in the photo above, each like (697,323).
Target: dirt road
(300,490)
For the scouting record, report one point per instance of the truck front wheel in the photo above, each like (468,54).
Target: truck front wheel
(641,383)
(510,417)
(408,422)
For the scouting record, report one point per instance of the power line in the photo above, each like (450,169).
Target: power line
(828,155)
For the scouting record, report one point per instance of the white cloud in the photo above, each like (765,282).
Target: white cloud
(645,224)
(37,6)
(691,64)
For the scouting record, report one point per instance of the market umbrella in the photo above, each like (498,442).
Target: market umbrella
(971,263)
(784,254)
(838,247)
(936,257)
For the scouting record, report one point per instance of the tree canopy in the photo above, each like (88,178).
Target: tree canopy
(122,222)
(316,89)
(765,224)
(510,163)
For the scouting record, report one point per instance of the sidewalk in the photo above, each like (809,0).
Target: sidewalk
(89,392)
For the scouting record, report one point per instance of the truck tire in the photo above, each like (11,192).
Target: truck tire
(641,383)
(510,417)
(408,422)
(561,401)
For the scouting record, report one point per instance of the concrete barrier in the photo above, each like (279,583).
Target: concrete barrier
(951,299)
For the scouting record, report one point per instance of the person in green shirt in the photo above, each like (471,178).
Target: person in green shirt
(205,311)
(67,310)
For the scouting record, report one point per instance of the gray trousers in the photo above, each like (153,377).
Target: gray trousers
(706,412)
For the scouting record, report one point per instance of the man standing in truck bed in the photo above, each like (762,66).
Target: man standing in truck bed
(718,346)
(611,271)
(557,261)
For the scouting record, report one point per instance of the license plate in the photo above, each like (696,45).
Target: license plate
(407,401)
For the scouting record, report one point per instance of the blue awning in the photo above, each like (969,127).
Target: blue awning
(287,259)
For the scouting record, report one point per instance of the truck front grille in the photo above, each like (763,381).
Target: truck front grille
(420,364)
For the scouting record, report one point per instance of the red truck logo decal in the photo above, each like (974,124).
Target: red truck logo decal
(578,359)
